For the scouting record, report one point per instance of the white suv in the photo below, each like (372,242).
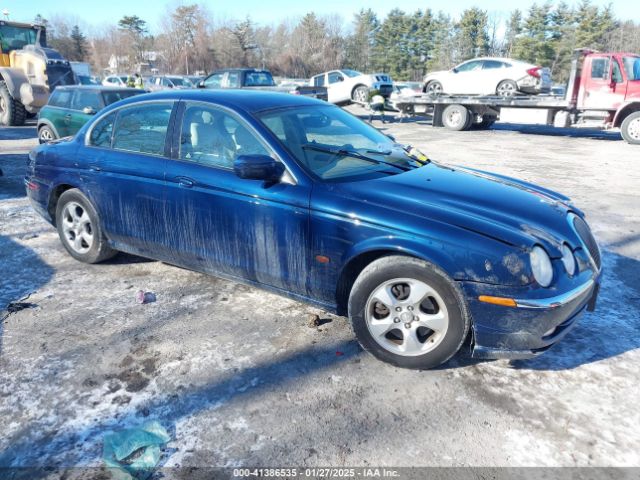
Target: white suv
(345,86)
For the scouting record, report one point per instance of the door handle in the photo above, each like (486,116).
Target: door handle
(185,182)
(95,168)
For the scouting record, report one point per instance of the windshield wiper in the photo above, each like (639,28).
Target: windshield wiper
(351,153)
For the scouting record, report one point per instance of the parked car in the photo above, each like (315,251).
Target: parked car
(115,81)
(255,79)
(165,82)
(70,107)
(490,76)
(345,86)
(300,197)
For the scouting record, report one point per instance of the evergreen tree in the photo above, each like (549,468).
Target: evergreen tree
(514,29)
(360,43)
(471,37)
(534,44)
(79,41)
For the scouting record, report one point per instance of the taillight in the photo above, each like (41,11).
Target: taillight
(534,72)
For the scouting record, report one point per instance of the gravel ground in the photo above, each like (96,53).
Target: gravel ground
(242,377)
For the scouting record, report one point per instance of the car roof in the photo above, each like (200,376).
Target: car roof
(222,70)
(246,100)
(102,88)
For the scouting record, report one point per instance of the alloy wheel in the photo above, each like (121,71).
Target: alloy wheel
(406,316)
(77,228)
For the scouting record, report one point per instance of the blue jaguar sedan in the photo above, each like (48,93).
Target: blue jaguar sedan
(300,197)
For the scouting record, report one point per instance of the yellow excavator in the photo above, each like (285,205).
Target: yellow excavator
(29,71)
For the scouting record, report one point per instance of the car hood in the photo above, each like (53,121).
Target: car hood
(503,208)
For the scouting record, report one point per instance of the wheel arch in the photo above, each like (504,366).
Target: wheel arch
(13,79)
(624,111)
(356,86)
(45,122)
(359,259)
(54,196)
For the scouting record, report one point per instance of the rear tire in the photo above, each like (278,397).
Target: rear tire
(408,312)
(12,112)
(456,117)
(630,128)
(79,228)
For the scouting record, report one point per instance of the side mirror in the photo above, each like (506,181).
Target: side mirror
(258,167)
(89,111)
(454,70)
(201,84)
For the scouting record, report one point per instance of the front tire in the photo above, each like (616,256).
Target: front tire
(79,228)
(46,134)
(408,312)
(12,112)
(630,128)
(433,88)
(507,88)
(360,95)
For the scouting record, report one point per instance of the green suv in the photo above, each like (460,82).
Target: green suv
(70,107)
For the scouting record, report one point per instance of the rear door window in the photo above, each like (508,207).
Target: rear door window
(142,128)
(491,64)
(61,98)
(318,81)
(83,99)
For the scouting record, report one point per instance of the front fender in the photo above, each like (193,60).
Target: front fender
(496,264)
(624,110)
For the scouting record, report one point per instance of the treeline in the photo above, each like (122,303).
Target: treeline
(406,45)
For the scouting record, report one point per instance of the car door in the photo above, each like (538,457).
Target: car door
(464,79)
(224,224)
(606,88)
(492,73)
(58,110)
(83,99)
(336,87)
(125,153)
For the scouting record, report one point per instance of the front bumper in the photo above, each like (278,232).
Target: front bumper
(531,327)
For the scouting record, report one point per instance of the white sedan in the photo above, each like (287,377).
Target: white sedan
(489,76)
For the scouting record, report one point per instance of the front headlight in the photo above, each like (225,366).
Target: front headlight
(541,266)
(568,260)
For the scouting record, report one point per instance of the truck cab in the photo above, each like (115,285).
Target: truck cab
(609,89)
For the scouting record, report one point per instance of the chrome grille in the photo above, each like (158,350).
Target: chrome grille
(588,239)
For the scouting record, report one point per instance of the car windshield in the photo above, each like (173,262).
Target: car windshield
(351,73)
(259,79)
(632,67)
(333,145)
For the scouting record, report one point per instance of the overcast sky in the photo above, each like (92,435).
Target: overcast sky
(98,12)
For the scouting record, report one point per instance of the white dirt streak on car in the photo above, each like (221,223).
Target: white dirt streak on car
(346,86)
(490,76)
